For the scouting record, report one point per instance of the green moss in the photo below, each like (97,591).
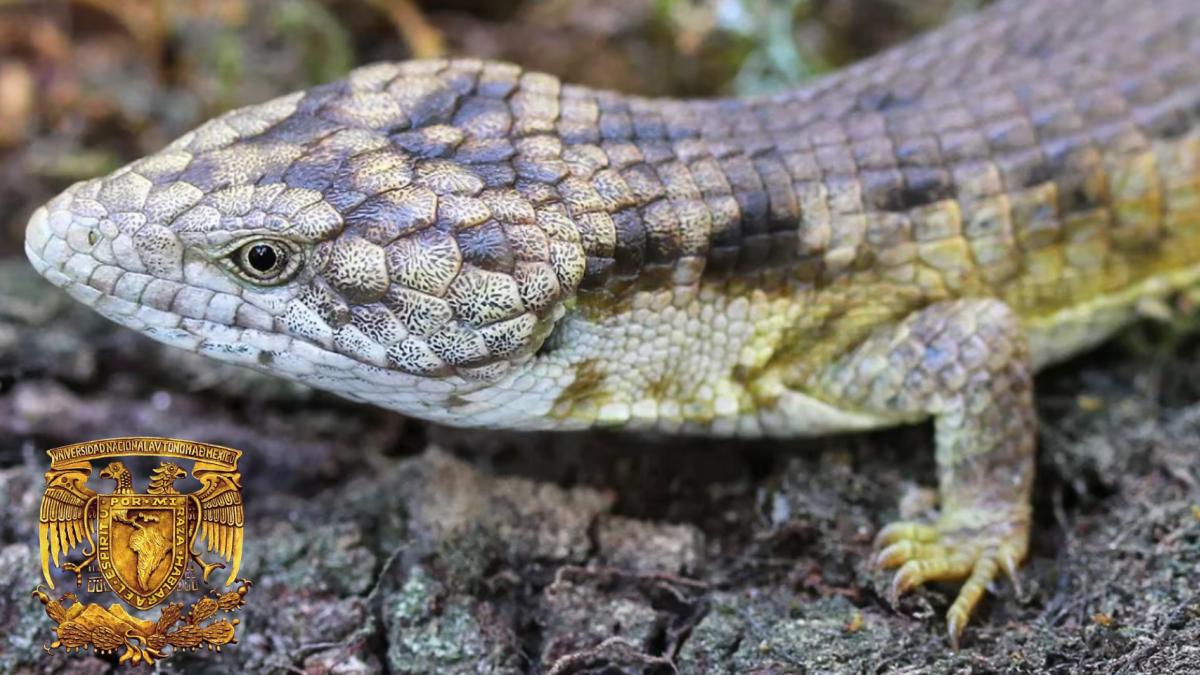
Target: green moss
(432,632)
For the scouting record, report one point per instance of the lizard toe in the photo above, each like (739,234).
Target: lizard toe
(951,552)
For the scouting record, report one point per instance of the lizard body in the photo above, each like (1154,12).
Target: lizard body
(908,238)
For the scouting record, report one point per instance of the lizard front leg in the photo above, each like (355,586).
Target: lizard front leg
(965,363)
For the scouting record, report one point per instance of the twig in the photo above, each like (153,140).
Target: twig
(570,662)
(422,38)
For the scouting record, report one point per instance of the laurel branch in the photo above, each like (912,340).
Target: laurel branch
(79,627)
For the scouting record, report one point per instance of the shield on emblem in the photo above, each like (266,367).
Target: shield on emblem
(142,545)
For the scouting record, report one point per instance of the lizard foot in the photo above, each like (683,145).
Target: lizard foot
(973,550)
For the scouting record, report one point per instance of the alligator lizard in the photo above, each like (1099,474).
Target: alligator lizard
(909,238)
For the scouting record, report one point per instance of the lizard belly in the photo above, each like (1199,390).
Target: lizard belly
(721,361)
(1062,334)
(735,363)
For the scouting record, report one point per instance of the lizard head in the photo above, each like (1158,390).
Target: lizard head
(380,237)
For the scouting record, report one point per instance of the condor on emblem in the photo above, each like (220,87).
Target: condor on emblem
(140,546)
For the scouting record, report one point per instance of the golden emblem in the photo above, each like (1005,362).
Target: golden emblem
(139,546)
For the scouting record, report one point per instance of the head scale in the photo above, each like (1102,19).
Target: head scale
(388,237)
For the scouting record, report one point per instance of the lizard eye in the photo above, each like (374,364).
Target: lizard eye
(266,262)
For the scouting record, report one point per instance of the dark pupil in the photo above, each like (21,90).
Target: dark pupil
(262,258)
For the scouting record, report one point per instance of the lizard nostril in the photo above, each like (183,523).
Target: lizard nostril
(92,237)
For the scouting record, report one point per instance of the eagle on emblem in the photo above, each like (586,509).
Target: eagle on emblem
(131,536)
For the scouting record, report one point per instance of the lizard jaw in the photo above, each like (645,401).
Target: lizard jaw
(73,251)
(38,237)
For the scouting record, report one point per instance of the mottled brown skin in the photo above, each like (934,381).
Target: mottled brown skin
(906,239)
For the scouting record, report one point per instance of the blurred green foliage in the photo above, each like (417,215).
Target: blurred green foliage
(779,58)
(329,52)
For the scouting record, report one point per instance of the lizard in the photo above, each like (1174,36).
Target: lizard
(907,239)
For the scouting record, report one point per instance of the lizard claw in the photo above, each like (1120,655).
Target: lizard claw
(952,550)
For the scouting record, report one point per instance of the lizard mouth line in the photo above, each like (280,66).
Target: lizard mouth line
(48,246)
(38,230)
(52,256)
